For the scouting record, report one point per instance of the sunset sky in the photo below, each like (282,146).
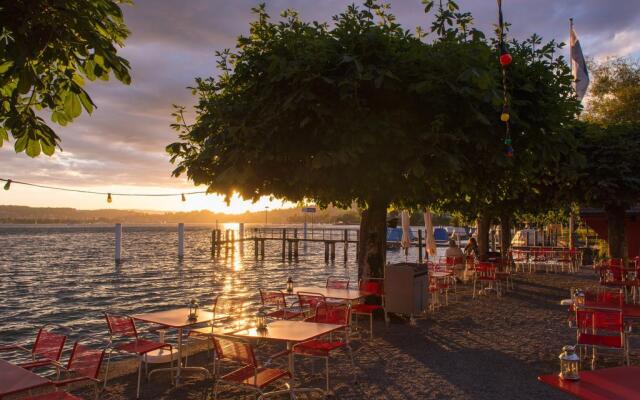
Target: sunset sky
(120,147)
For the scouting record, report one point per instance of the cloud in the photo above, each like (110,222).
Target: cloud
(172,42)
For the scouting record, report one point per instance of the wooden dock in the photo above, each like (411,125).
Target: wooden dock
(291,238)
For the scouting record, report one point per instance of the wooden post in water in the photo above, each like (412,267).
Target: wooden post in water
(346,245)
(284,242)
(255,247)
(180,240)
(118,253)
(326,251)
(262,248)
(333,251)
(213,243)
(420,246)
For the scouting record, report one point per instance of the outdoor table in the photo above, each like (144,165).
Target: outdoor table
(618,383)
(349,295)
(179,319)
(14,379)
(288,331)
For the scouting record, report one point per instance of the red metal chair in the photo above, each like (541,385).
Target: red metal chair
(486,274)
(325,346)
(309,301)
(123,329)
(54,396)
(249,375)
(337,282)
(47,348)
(601,328)
(375,288)
(277,302)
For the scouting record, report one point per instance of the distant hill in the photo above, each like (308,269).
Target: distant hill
(47,215)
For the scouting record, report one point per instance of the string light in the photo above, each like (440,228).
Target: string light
(183,196)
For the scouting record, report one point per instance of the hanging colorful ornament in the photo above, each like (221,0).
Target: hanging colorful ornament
(505,60)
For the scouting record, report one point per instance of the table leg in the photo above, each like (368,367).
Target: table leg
(179,367)
(290,350)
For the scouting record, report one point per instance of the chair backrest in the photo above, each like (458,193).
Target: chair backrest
(48,344)
(594,320)
(272,299)
(235,350)
(310,300)
(86,361)
(333,314)
(486,269)
(607,298)
(121,325)
(337,282)
(229,308)
(375,287)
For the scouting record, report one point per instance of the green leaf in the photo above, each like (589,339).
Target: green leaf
(4,67)
(33,147)
(72,105)
(21,144)
(86,101)
(47,148)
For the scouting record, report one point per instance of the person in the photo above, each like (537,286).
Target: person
(471,249)
(453,250)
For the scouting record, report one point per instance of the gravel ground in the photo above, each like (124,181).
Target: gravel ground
(484,348)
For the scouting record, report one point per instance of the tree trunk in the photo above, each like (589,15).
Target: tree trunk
(505,235)
(616,231)
(483,236)
(572,228)
(372,243)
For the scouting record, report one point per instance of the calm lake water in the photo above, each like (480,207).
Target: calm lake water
(66,274)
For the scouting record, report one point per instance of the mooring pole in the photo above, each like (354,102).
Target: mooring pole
(118,255)
(181,240)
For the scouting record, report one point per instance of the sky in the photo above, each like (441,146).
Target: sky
(120,147)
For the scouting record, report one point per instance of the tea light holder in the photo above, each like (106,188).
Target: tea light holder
(261,319)
(289,285)
(569,364)
(193,309)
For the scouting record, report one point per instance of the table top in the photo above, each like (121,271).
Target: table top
(175,318)
(14,379)
(631,310)
(341,294)
(290,331)
(609,383)
(440,274)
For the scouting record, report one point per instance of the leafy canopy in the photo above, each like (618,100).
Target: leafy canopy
(545,163)
(615,91)
(611,174)
(360,111)
(47,50)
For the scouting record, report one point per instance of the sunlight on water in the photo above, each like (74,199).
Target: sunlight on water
(66,274)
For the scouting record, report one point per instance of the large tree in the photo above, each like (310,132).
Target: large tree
(360,111)
(614,96)
(611,176)
(545,161)
(47,50)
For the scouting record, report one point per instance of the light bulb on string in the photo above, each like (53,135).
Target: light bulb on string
(183,197)
(7,185)
(109,199)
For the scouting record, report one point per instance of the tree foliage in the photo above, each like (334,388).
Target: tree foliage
(615,92)
(358,112)
(47,50)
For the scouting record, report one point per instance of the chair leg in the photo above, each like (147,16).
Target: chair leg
(106,371)
(371,326)
(326,364)
(139,377)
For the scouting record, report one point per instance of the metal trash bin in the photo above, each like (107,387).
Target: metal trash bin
(405,287)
